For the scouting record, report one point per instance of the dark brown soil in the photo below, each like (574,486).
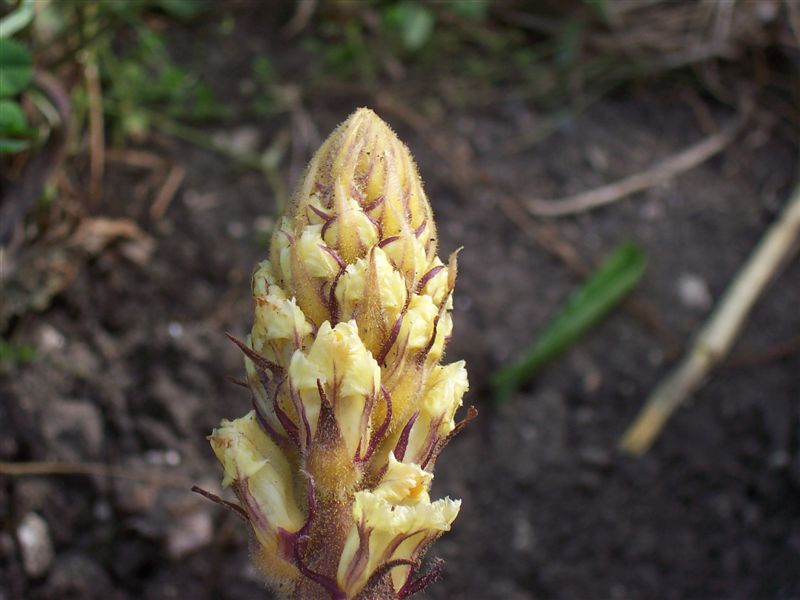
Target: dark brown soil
(133,359)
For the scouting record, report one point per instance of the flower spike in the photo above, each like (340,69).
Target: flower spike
(333,466)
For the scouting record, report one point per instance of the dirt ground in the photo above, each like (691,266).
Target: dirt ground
(133,360)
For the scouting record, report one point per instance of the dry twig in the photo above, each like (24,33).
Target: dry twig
(139,159)
(546,237)
(716,338)
(97,142)
(304,10)
(167,192)
(20,469)
(674,165)
(757,358)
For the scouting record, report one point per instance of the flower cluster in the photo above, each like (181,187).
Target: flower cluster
(351,405)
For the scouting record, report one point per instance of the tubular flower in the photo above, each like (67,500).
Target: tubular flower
(332,467)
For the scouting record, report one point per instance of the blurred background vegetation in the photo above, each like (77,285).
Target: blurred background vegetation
(83,80)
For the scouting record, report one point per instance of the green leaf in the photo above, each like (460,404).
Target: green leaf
(13,124)
(414,22)
(17,19)
(263,70)
(13,146)
(606,287)
(12,119)
(16,353)
(16,67)
(475,10)
(418,27)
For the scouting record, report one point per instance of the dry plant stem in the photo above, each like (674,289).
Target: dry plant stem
(21,469)
(715,339)
(97,142)
(304,10)
(167,192)
(136,159)
(793,9)
(758,358)
(685,160)
(546,237)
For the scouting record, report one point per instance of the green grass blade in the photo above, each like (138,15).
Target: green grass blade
(17,19)
(606,287)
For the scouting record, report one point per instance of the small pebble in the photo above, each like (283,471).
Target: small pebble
(779,459)
(522,538)
(693,292)
(236,229)
(50,339)
(102,510)
(595,457)
(240,140)
(172,458)
(175,329)
(597,157)
(33,536)
(263,224)
(200,200)
(160,458)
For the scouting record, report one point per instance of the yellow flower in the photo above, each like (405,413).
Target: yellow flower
(394,522)
(372,284)
(339,370)
(435,420)
(263,480)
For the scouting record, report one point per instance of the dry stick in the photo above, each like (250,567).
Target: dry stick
(716,338)
(762,357)
(139,159)
(167,192)
(97,143)
(546,237)
(794,17)
(91,469)
(672,166)
(304,10)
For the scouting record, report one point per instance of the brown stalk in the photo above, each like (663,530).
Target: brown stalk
(50,468)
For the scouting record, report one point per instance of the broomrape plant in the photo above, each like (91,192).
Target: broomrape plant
(333,465)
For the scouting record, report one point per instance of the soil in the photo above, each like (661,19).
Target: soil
(133,362)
